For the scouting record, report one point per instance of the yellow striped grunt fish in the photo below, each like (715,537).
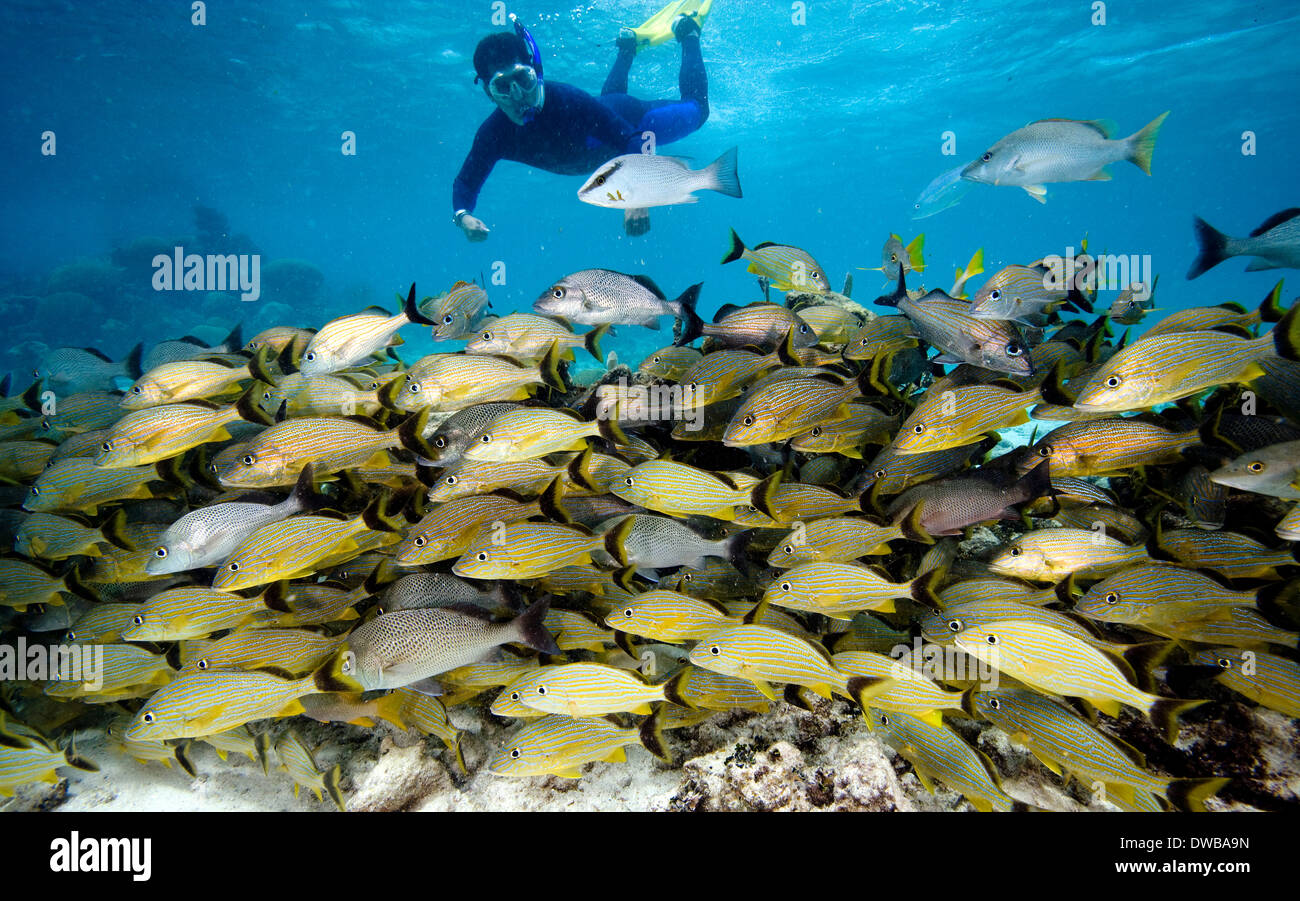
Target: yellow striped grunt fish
(172,383)
(297,759)
(840,590)
(584,689)
(1264,678)
(786,267)
(936,752)
(1051,661)
(669,616)
(560,745)
(348,340)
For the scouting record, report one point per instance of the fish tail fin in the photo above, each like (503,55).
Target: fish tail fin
(1212,247)
(76,760)
(761,495)
(389,708)
(651,735)
(738,549)
(260,366)
(916,252)
(132,362)
(1142,145)
(1280,599)
(1270,308)
(549,503)
(737,249)
(384,513)
(673,689)
(1286,334)
(32,396)
(235,340)
(262,748)
(911,526)
(549,367)
(1166,712)
(592,340)
(114,531)
(721,174)
(411,433)
(412,310)
(692,326)
(532,629)
(616,541)
(329,677)
(900,292)
(72,582)
(863,688)
(182,757)
(304,495)
(1189,794)
(579,471)
(250,410)
(925,588)
(612,432)
(331,783)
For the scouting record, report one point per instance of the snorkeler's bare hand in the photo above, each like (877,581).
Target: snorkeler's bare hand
(635,222)
(473,228)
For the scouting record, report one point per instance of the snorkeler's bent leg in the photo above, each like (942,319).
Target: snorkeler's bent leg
(692,80)
(616,80)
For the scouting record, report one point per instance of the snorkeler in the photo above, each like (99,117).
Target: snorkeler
(563,129)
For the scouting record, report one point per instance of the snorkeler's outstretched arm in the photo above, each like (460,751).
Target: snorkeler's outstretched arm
(482,157)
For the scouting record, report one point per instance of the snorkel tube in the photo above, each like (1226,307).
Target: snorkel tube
(530,112)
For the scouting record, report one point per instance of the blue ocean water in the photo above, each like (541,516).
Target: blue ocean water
(840,110)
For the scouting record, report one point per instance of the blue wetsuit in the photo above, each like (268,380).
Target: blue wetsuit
(574,132)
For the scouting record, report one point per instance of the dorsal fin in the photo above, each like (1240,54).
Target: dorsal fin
(1275,220)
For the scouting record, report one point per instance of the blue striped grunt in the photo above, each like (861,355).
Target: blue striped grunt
(786,267)
(936,752)
(560,745)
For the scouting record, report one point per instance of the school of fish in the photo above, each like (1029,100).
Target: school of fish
(769,509)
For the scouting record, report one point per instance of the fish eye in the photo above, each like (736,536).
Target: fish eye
(688,578)
(161,553)
(148,718)
(557,293)
(72,636)
(419,541)
(136,389)
(203,664)
(995,294)
(654,359)
(1016,552)
(541,689)
(789,549)
(481,557)
(992,639)
(715,651)
(451,480)
(138,620)
(995,703)
(918,428)
(487,336)
(803,329)
(986,157)
(1225,663)
(309,356)
(785,586)
(955,625)
(414,387)
(1014,350)
(446,320)
(1112,598)
(266,395)
(1257,467)
(817,432)
(879,473)
(1113,382)
(249,459)
(749,420)
(893,258)
(600,180)
(627,482)
(107,446)
(486,439)
(628,612)
(514,696)
(234,567)
(440,442)
(1045,450)
(815,274)
(884,720)
(514,753)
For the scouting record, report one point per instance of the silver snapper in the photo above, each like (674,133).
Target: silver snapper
(1274,245)
(398,649)
(603,296)
(1061,150)
(639,180)
(207,536)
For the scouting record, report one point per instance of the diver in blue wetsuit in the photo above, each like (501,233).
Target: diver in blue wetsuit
(557,127)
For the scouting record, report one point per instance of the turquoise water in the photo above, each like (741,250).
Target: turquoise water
(840,123)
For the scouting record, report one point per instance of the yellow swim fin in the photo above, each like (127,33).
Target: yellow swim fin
(658,29)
